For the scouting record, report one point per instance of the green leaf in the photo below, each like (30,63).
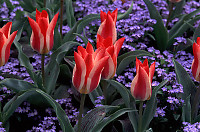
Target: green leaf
(128,100)
(57,39)
(182,28)
(126,125)
(52,69)
(161,33)
(24,61)
(186,17)
(79,25)
(184,79)
(186,111)
(70,13)
(28,5)
(60,113)
(93,117)
(151,106)
(125,59)
(196,33)
(178,10)
(99,126)
(17,85)
(126,14)
(14,103)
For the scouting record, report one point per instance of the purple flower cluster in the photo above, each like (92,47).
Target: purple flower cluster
(1,128)
(191,127)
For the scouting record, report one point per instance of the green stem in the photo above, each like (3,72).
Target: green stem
(81,111)
(140,117)
(42,63)
(195,103)
(104,86)
(61,16)
(44,3)
(170,12)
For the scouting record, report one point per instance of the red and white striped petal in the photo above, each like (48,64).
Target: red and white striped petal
(79,72)
(3,40)
(5,50)
(89,48)
(151,71)
(6,29)
(118,45)
(37,38)
(196,62)
(108,29)
(198,40)
(103,16)
(95,74)
(114,15)
(141,85)
(50,33)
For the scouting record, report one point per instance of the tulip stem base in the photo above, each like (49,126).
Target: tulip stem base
(81,111)
(42,65)
(104,86)
(140,117)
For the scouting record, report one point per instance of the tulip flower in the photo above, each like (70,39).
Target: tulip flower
(196,61)
(88,68)
(112,51)
(141,84)
(42,37)
(108,25)
(5,42)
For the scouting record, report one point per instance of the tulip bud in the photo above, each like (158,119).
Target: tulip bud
(5,42)
(88,68)
(108,25)
(42,37)
(196,61)
(112,51)
(141,84)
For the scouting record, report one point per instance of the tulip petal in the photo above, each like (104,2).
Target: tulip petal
(145,66)
(141,86)
(82,52)
(37,39)
(79,72)
(118,45)
(198,40)
(6,29)
(114,15)
(103,16)
(152,70)
(95,75)
(5,50)
(2,42)
(50,33)
(107,29)
(89,48)
(196,62)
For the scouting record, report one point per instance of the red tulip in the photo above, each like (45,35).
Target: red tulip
(196,61)
(88,68)
(42,37)
(5,42)
(108,23)
(141,84)
(112,51)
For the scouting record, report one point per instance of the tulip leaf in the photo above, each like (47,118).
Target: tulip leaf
(196,33)
(70,13)
(183,78)
(126,125)
(28,5)
(183,27)
(93,117)
(79,25)
(24,61)
(16,85)
(99,126)
(57,39)
(14,103)
(60,113)
(126,14)
(186,110)
(161,33)
(178,10)
(128,100)
(125,59)
(179,24)
(52,69)
(151,106)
